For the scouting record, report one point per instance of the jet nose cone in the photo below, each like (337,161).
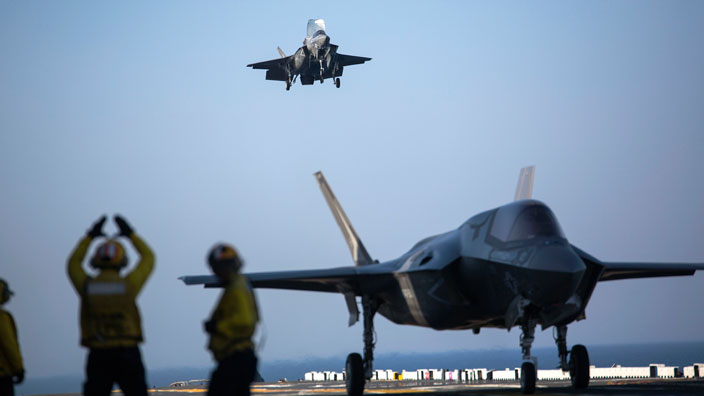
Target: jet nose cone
(559,270)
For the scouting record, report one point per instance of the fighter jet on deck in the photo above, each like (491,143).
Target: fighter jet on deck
(505,267)
(316,60)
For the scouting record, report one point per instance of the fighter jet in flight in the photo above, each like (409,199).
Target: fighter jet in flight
(505,267)
(317,59)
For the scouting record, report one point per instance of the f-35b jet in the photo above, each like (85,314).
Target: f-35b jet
(317,59)
(509,266)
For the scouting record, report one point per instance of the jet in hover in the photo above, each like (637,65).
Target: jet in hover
(317,59)
(510,266)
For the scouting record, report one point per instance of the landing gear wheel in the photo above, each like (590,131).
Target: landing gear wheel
(337,82)
(288,85)
(528,377)
(355,375)
(579,366)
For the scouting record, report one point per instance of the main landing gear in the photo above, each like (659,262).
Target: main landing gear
(337,82)
(359,370)
(578,364)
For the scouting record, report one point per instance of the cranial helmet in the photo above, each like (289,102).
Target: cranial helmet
(5,292)
(224,254)
(110,254)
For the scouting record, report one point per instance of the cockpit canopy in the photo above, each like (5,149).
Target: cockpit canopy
(315,25)
(525,219)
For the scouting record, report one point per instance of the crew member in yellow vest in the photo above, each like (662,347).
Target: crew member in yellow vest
(111,326)
(11,368)
(231,326)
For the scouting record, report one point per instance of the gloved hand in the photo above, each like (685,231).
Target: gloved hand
(125,229)
(209,326)
(97,229)
(18,378)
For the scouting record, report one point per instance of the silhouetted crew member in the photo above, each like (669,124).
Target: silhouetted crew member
(110,322)
(11,368)
(231,326)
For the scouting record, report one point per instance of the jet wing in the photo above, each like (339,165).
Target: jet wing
(348,60)
(278,63)
(276,69)
(333,280)
(617,270)
(611,270)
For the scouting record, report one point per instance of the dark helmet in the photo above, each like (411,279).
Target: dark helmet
(110,254)
(5,292)
(224,254)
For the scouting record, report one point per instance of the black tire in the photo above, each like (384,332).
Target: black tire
(337,82)
(355,375)
(579,367)
(528,377)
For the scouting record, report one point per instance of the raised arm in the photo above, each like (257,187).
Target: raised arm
(144,268)
(141,273)
(75,269)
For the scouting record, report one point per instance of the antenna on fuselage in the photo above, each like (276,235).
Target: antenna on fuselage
(524,190)
(359,252)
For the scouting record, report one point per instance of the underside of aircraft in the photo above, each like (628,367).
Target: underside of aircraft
(316,60)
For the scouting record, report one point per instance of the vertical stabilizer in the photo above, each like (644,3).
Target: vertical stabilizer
(524,190)
(359,252)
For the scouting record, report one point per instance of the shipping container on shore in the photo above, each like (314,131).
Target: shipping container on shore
(551,375)
(504,375)
(696,370)
(655,370)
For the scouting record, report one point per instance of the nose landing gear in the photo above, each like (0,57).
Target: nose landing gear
(529,370)
(578,364)
(337,82)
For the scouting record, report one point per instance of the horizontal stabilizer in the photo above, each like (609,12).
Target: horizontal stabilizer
(524,190)
(359,252)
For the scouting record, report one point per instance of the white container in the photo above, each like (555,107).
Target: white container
(503,375)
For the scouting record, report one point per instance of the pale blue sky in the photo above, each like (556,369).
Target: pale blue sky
(148,110)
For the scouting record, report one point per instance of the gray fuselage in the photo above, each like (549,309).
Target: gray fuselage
(491,271)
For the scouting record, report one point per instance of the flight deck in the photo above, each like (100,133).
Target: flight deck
(675,386)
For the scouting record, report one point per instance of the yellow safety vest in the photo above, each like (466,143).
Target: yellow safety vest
(235,317)
(10,357)
(109,315)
